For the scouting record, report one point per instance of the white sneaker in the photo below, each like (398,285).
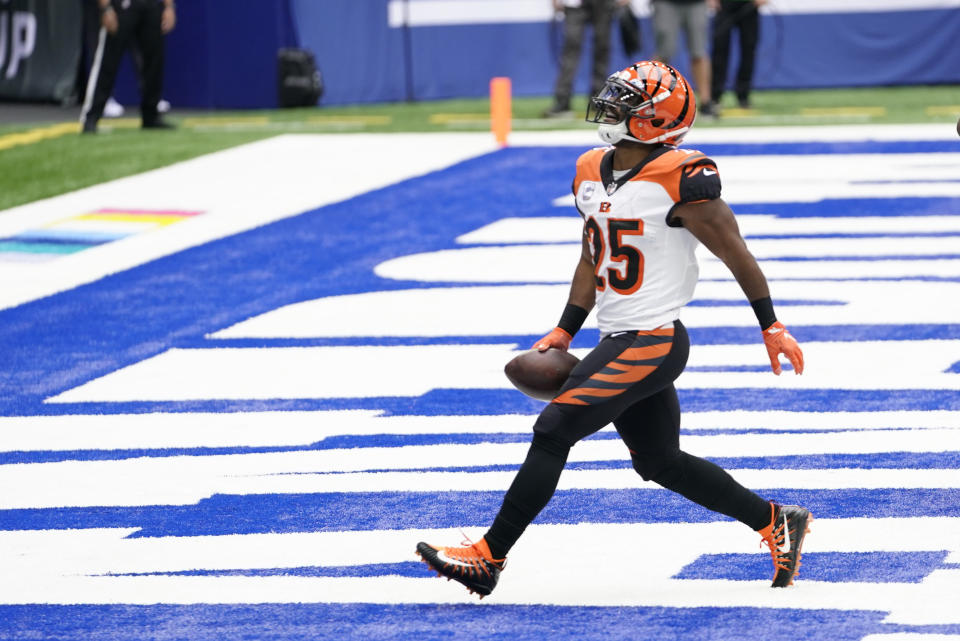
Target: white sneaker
(163,106)
(112,109)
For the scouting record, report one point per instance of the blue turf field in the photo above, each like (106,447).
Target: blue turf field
(300,469)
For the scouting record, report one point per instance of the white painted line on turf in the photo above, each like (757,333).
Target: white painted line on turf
(588,138)
(567,229)
(623,478)
(183,430)
(80,567)
(466,309)
(550,264)
(237,189)
(410,371)
(109,551)
(248,186)
(774,248)
(183,480)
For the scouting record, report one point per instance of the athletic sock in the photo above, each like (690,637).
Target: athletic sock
(529,493)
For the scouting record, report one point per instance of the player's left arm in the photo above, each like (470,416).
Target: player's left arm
(713,224)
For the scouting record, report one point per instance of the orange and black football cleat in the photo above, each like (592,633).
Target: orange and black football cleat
(471,565)
(784,536)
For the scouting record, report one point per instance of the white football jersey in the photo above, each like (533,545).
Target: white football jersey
(645,266)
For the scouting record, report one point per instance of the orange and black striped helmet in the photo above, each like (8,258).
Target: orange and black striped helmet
(648,102)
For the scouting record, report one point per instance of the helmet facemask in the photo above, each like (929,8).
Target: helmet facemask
(625,111)
(617,101)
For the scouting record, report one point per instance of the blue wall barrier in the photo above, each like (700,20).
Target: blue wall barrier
(394,50)
(221,55)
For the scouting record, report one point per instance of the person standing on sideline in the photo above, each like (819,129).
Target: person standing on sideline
(744,16)
(670,18)
(646,205)
(577,14)
(146,22)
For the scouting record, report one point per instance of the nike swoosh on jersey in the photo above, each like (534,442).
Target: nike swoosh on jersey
(708,172)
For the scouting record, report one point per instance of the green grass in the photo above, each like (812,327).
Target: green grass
(52,167)
(68,162)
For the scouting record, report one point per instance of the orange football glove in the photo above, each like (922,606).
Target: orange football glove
(557,338)
(779,341)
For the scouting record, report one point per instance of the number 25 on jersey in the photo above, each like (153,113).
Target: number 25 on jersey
(625,271)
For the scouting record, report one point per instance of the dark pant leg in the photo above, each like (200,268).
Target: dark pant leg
(91,39)
(574,22)
(723,24)
(651,431)
(106,61)
(594,396)
(149,39)
(602,24)
(749,35)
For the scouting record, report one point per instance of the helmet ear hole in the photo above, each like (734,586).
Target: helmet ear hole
(657,122)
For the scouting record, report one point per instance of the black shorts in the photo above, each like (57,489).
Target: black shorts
(626,380)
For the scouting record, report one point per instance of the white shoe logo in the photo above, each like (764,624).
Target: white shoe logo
(617,334)
(446,559)
(709,172)
(786,534)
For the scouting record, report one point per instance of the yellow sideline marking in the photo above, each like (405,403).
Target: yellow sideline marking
(119,123)
(352,120)
(36,135)
(58,130)
(844,111)
(943,110)
(224,121)
(446,119)
(737,112)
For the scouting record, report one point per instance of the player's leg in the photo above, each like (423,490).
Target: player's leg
(149,39)
(574,25)
(666,30)
(103,72)
(602,27)
(749,35)
(89,43)
(696,24)
(651,429)
(722,28)
(619,370)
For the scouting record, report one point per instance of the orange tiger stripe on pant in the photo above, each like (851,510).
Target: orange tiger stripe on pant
(627,370)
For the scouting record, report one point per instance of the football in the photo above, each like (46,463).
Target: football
(540,375)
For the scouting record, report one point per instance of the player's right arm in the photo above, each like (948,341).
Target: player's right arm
(579,303)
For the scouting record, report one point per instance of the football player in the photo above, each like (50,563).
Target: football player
(646,204)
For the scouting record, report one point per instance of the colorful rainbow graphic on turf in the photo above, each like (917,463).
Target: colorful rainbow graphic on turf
(74,234)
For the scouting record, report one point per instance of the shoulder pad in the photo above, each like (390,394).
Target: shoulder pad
(687,175)
(588,166)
